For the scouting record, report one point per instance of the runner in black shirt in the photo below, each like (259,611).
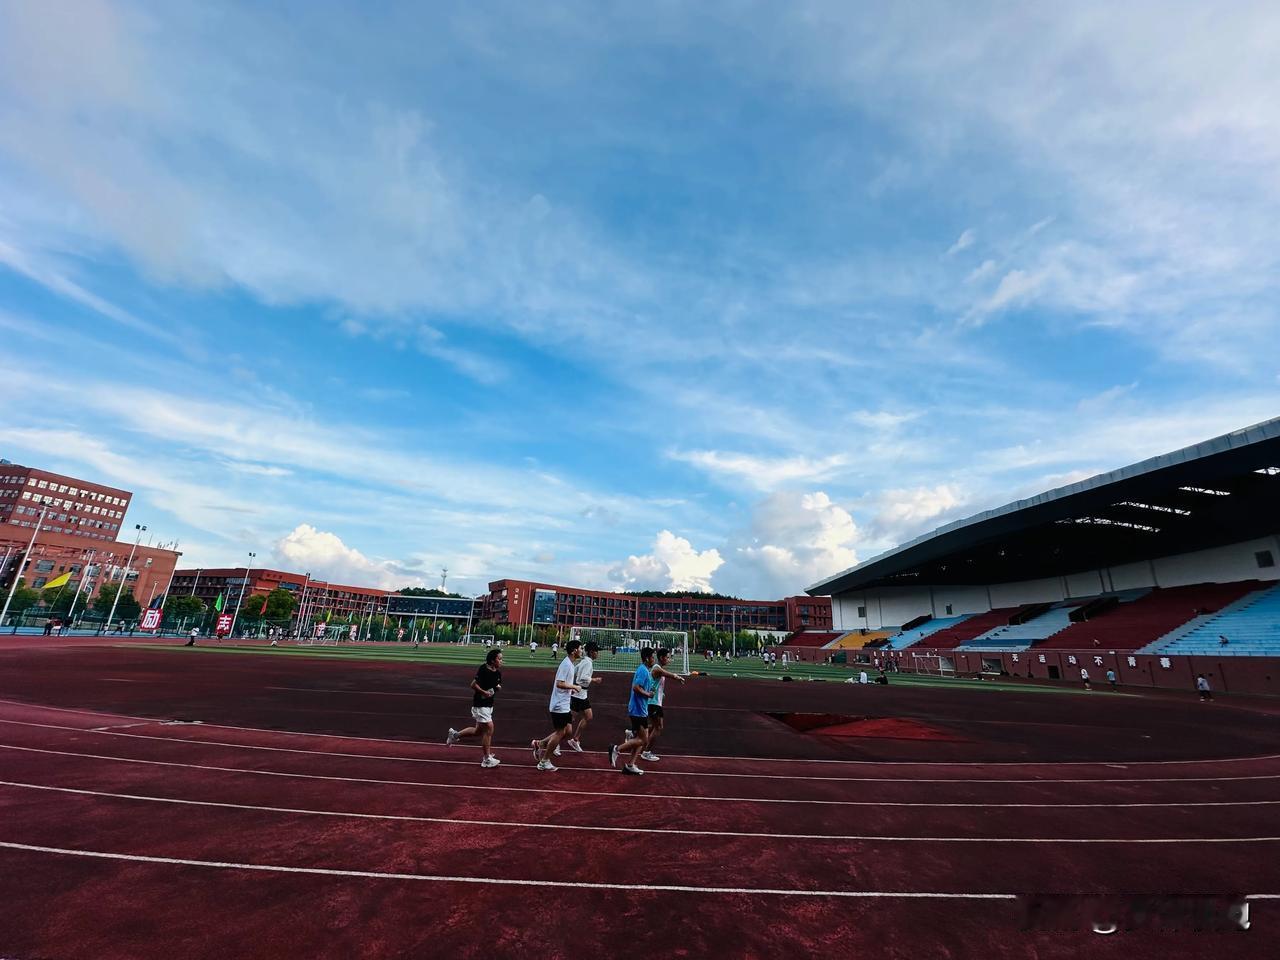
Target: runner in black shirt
(484,688)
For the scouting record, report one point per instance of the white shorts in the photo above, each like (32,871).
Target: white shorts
(482,714)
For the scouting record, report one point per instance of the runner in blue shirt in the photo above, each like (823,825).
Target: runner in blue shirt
(642,687)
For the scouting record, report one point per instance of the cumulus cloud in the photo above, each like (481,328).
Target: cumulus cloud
(963,242)
(899,515)
(795,539)
(674,564)
(326,557)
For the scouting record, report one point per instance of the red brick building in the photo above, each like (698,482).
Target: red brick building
(321,596)
(78,535)
(524,601)
(78,507)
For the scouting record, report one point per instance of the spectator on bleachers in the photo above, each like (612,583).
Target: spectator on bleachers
(1222,640)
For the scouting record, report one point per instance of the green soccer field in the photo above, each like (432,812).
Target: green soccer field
(520,658)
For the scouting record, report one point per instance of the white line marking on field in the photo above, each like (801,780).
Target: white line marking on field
(652,772)
(519,825)
(118,726)
(600,793)
(503,881)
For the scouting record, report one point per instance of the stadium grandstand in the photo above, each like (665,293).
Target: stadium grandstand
(1157,571)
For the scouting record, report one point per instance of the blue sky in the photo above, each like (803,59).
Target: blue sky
(711,296)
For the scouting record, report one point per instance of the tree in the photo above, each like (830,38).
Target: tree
(127,609)
(250,607)
(428,592)
(183,608)
(24,598)
(280,604)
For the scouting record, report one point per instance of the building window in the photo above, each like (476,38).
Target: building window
(44,566)
(948,609)
(1264,558)
(862,612)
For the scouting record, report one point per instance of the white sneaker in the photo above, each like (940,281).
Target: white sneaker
(633,769)
(651,757)
(556,751)
(537,750)
(490,762)
(452,738)
(575,746)
(613,755)
(547,766)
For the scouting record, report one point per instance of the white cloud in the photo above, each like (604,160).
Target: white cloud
(963,242)
(899,515)
(794,540)
(326,557)
(674,564)
(763,473)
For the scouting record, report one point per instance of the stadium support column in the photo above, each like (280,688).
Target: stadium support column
(17,574)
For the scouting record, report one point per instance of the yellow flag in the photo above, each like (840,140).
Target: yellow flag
(57,582)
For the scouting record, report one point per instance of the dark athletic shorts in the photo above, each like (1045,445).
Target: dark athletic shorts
(561,720)
(638,723)
(655,710)
(580,704)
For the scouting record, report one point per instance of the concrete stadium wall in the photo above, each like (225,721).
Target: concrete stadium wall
(891,607)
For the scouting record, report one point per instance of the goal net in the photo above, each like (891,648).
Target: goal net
(620,649)
(931,665)
(484,639)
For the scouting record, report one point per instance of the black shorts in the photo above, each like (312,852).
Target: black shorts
(655,710)
(579,704)
(638,723)
(561,720)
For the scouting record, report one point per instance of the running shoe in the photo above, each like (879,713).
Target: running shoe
(575,746)
(633,770)
(452,738)
(613,755)
(556,751)
(651,757)
(537,750)
(490,762)
(547,766)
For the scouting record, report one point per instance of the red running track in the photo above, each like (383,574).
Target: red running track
(125,836)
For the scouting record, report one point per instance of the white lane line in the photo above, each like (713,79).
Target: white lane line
(518,825)
(651,771)
(707,756)
(507,882)
(605,793)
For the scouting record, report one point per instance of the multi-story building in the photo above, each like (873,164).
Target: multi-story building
(233,583)
(523,602)
(77,536)
(78,507)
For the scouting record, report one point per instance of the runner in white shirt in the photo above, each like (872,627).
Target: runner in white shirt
(580,703)
(659,672)
(561,692)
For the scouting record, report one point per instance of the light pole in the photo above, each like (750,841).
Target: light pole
(240,599)
(141,528)
(44,507)
(71,613)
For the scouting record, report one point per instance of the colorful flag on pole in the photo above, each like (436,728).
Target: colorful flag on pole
(217,604)
(328,615)
(57,582)
(263,611)
(156,602)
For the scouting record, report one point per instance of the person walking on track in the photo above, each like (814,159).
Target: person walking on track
(562,692)
(485,687)
(580,703)
(642,685)
(656,722)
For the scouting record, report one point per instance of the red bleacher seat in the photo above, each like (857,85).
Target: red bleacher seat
(1142,621)
(951,637)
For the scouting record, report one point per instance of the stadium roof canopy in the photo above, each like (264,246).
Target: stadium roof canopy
(1222,491)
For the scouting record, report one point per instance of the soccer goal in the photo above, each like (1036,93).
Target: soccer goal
(484,639)
(325,635)
(620,649)
(932,665)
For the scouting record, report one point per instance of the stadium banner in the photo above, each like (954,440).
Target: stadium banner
(151,619)
(224,623)
(544,606)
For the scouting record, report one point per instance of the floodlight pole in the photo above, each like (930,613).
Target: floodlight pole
(71,613)
(13,588)
(240,599)
(141,528)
